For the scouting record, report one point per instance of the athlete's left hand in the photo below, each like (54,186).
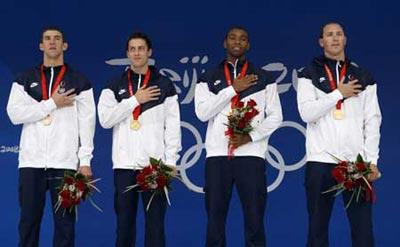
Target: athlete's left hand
(86,171)
(238,140)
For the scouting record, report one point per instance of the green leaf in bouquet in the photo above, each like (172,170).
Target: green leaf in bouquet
(359,189)
(69,173)
(337,187)
(154,161)
(351,199)
(167,168)
(334,157)
(80,176)
(360,159)
(339,191)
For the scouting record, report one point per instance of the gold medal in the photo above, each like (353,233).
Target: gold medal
(47,120)
(338,114)
(135,124)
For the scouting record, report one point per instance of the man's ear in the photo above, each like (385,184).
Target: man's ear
(41,47)
(321,43)
(65,46)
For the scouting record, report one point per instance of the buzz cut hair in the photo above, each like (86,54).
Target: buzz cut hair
(53,28)
(139,35)
(321,32)
(236,27)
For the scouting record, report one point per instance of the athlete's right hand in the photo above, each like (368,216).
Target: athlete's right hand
(241,84)
(64,99)
(144,95)
(350,89)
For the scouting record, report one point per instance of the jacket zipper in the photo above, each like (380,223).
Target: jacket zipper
(47,129)
(337,83)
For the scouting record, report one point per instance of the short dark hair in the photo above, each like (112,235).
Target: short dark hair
(321,32)
(53,28)
(139,35)
(235,27)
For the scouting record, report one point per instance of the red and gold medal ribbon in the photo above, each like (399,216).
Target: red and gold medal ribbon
(136,112)
(332,82)
(228,79)
(59,78)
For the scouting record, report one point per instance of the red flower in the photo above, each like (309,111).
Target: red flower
(254,112)
(343,163)
(140,178)
(361,167)
(66,203)
(242,124)
(68,180)
(248,116)
(161,181)
(251,103)
(81,185)
(147,170)
(343,169)
(65,194)
(338,175)
(229,132)
(348,184)
(240,104)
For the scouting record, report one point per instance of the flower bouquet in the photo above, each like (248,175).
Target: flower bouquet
(156,178)
(74,189)
(352,176)
(239,121)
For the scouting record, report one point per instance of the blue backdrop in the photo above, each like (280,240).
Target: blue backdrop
(187,39)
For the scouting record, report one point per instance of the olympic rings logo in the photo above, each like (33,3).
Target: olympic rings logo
(278,164)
